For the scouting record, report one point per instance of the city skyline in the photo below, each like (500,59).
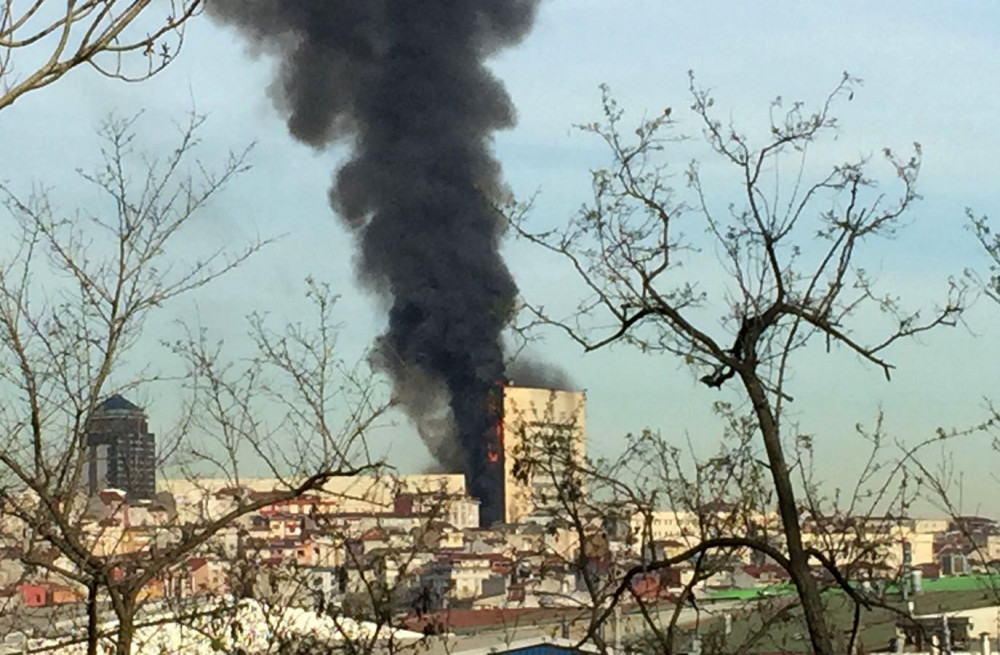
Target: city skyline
(432,325)
(939,382)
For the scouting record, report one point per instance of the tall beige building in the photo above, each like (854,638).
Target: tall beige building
(543,438)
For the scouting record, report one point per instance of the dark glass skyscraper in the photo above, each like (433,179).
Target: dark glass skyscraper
(121,451)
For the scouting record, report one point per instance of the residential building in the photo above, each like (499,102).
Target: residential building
(208,576)
(887,543)
(458,576)
(201,498)
(665,525)
(930,525)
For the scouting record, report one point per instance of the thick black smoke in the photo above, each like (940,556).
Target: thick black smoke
(405,80)
(526,371)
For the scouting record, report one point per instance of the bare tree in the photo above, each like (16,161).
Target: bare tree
(651,527)
(989,240)
(75,296)
(130,40)
(788,243)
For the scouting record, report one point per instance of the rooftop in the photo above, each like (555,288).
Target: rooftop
(118,402)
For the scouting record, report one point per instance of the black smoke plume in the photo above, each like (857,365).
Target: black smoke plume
(405,82)
(527,371)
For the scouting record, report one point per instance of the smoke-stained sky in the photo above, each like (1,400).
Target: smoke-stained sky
(928,70)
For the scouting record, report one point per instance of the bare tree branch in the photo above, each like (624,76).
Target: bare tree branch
(105,34)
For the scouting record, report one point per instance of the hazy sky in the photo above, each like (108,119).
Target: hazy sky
(931,72)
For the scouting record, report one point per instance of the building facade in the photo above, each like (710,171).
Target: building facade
(543,439)
(121,451)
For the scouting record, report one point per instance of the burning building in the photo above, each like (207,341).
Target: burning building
(406,84)
(535,453)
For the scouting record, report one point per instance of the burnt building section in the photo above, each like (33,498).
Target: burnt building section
(487,485)
(121,451)
(535,453)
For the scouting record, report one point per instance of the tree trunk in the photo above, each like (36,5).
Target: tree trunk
(93,617)
(812,604)
(124,644)
(125,607)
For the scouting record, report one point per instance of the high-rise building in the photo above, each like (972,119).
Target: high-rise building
(541,442)
(121,451)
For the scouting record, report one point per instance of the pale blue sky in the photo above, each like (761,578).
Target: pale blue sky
(932,74)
